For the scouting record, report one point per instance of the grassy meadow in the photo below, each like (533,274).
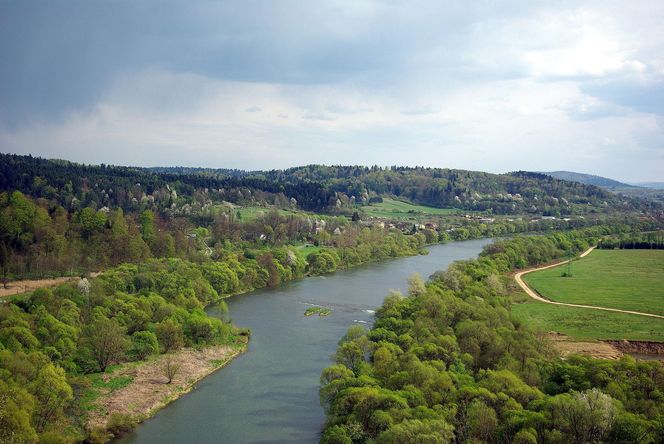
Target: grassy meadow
(587,324)
(624,279)
(396,209)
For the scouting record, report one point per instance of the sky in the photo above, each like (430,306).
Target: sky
(493,86)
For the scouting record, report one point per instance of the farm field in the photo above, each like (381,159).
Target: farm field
(623,279)
(396,209)
(584,323)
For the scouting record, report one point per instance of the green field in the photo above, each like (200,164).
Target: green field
(250,213)
(396,209)
(624,279)
(584,323)
(305,250)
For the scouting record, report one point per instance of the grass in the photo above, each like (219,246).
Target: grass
(252,213)
(624,279)
(305,250)
(396,209)
(114,383)
(320,311)
(93,386)
(587,324)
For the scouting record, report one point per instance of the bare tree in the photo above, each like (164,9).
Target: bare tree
(170,368)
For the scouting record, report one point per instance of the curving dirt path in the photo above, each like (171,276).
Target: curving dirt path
(533,294)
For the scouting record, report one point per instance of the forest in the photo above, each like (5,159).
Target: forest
(447,363)
(331,189)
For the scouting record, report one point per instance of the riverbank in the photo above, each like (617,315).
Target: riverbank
(139,390)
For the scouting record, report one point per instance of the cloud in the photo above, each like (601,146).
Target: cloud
(587,107)
(487,86)
(641,96)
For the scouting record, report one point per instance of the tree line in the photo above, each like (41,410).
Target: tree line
(642,241)
(40,238)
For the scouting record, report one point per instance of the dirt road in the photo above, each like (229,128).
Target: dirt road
(533,294)
(18,287)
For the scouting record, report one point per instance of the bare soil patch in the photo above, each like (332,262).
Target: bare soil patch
(148,391)
(639,347)
(24,286)
(566,347)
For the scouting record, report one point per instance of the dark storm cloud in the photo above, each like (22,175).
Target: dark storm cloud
(60,56)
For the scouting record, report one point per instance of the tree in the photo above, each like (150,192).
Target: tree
(52,393)
(84,287)
(586,416)
(143,344)
(147,226)
(416,431)
(106,342)
(16,407)
(482,420)
(416,285)
(170,335)
(5,258)
(170,368)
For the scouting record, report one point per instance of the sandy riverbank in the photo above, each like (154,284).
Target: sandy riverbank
(148,390)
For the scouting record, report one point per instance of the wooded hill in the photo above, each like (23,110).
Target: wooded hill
(589,179)
(316,188)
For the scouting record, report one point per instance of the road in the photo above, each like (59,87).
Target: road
(533,294)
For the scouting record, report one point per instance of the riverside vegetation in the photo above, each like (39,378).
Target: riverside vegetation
(449,363)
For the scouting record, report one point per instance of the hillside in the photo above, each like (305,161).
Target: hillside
(331,189)
(653,185)
(514,193)
(588,179)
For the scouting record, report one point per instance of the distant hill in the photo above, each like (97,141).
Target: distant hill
(318,188)
(589,179)
(653,185)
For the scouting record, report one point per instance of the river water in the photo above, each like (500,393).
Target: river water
(270,393)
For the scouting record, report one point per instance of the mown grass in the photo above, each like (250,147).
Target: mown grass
(624,279)
(248,214)
(251,213)
(584,323)
(305,250)
(396,209)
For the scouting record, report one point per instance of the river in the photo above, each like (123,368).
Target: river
(270,393)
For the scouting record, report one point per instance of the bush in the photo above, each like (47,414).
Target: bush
(170,335)
(120,423)
(143,344)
